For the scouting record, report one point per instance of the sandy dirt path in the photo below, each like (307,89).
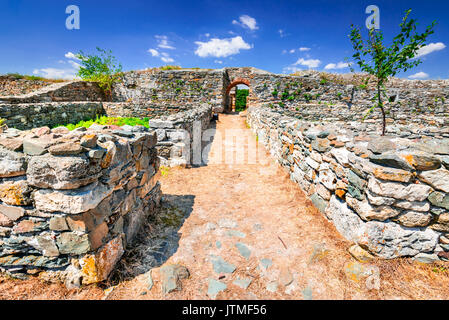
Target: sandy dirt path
(248,216)
(245,231)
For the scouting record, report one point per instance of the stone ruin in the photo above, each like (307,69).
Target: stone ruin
(71,202)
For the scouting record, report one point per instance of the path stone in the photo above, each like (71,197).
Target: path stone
(171,276)
(243,249)
(272,286)
(215,287)
(307,293)
(266,263)
(227,223)
(221,266)
(149,280)
(243,283)
(285,277)
(360,254)
(236,233)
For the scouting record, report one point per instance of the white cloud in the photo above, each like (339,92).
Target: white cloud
(154,52)
(207,35)
(163,42)
(432,47)
(221,48)
(70,55)
(282,33)
(311,63)
(419,75)
(288,70)
(54,73)
(292,51)
(167,59)
(284,51)
(61,73)
(340,65)
(302,49)
(218,61)
(247,22)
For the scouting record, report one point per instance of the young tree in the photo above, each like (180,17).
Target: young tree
(101,68)
(373,57)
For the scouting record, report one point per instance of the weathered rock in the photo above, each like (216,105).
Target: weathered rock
(9,214)
(346,221)
(319,202)
(360,254)
(421,161)
(415,219)
(368,212)
(391,159)
(73,243)
(439,199)
(15,191)
(411,192)
(66,149)
(37,146)
(96,268)
(390,240)
(420,206)
(71,201)
(11,164)
(171,277)
(381,145)
(61,173)
(438,179)
(321,145)
(89,141)
(391,174)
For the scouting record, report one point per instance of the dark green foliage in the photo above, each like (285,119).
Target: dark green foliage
(240,99)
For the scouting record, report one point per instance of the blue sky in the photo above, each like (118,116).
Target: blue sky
(277,36)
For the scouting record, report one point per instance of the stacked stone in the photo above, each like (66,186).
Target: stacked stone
(70,202)
(176,134)
(157,93)
(390,195)
(30,115)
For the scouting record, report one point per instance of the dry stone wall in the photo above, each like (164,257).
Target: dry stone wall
(390,195)
(180,135)
(70,202)
(159,93)
(33,115)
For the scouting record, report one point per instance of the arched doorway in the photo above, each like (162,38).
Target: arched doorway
(236,95)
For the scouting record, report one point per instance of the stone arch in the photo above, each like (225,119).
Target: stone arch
(233,84)
(236,82)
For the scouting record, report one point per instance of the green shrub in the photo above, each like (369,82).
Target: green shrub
(104,120)
(100,68)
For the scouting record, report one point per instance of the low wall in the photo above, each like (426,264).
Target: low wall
(179,136)
(70,202)
(60,92)
(160,92)
(390,195)
(28,116)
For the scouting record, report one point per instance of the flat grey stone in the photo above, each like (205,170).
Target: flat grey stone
(215,287)
(272,286)
(266,263)
(243,249)
(243,283)
(235,233)
(221,266)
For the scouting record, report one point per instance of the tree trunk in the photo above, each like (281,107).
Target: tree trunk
(381,105)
